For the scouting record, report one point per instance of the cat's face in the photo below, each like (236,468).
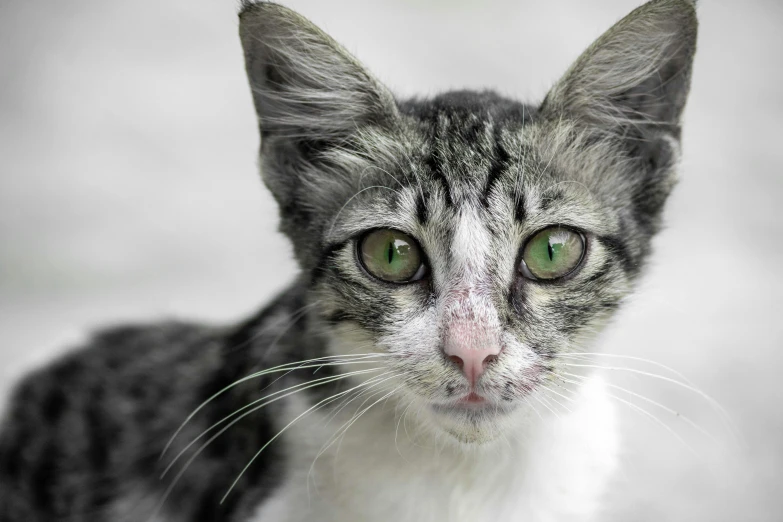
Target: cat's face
(470,239)
(457,229)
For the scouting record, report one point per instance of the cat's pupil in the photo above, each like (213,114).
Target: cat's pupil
(550,251)
(390,251)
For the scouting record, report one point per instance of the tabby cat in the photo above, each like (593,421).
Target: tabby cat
(455,253)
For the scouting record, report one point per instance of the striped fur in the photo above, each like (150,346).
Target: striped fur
(471,176)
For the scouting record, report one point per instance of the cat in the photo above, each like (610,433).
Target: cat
(455,253)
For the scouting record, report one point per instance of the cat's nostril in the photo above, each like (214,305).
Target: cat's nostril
(457,360)
(470,355)
(489,359)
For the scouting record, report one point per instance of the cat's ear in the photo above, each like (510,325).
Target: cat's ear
(634,80)
(316,108)
(305,85)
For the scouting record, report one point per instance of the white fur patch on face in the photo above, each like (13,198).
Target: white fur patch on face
(468,315)
(471,246)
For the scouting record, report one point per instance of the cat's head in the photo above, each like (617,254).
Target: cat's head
(472,239)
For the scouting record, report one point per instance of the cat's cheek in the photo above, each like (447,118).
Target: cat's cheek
(516,298)
(348,338)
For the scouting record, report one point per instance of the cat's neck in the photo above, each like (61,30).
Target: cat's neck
(549,461)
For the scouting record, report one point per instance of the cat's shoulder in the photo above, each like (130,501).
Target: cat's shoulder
(116,354)
(84,411)
(119,369)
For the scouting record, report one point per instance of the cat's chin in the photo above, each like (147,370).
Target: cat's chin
(471,424)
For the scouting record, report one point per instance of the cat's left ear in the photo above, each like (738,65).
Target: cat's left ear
(634,80)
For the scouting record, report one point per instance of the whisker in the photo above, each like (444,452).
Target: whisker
(193,457)
(405,427)
(397,430)
(376,167)
(356,417)
(356,357)
(657,421)
(546,388)
(547,406)
(715,404)
(534,408)
(726,418)
(310,409)
(677,414)
(587,355)
(280,368)
(334,221)
(333,438)
(378,379)
(292,389)
(345,402)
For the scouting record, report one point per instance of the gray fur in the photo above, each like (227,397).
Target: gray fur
(469,175)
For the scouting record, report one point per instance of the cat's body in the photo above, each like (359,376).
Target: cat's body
(115,395)
(441,389)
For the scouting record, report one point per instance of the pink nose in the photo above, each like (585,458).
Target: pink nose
(472,360)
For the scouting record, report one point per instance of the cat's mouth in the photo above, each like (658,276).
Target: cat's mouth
(472,418)
(471,404)
(472,398)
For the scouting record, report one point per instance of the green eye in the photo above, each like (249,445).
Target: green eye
(552,253)
(391,255)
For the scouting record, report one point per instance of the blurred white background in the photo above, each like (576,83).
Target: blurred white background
(128,191)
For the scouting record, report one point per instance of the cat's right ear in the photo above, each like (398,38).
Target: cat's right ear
(305,85)
(319,112)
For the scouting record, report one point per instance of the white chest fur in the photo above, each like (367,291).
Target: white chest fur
(554,469)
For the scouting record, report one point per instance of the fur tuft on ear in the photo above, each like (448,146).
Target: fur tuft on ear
(305,85)
(323,119)
(635,78)
(627,92)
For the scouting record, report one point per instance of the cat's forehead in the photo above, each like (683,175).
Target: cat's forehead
(461,168)
(473,154)
(468,139)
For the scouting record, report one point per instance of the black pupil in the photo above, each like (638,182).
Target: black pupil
(550,251)
(390,251)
